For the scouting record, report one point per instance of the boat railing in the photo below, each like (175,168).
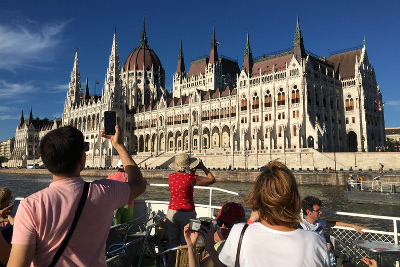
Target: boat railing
(374,186)
(382,228)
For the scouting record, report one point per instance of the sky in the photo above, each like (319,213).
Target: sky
(38,41)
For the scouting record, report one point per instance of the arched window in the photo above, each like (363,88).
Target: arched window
(243,103)
(280,131)
(281,97)
(268,100)
(294,130)
(256,102)
(349,104)
(295,95)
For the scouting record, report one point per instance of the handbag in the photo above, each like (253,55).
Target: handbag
(240,244)
(73,225)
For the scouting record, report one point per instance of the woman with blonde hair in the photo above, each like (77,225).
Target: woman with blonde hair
(276,239)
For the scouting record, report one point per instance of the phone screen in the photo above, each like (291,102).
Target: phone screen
(15,207)
(110,120)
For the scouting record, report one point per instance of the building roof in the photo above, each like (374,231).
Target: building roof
(392,131)
(345,63)
(198,67)
(267,64)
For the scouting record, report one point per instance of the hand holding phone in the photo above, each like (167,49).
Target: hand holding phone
(110,120)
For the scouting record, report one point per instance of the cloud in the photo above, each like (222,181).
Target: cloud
(57,88)
(15,90)
(24,44)
(392,103)
(5,113)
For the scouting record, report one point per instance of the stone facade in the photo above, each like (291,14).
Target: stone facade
(289,101)
(6,148)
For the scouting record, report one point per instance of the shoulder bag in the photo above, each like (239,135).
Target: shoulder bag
(239,245)
(73,225)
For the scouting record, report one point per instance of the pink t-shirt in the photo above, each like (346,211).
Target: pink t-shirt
(121,177)
(181,188)
(45,217)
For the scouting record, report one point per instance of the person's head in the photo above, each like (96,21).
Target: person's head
(275,196)
(312,208)
(120,166)
(229,214)
(184,163)
(62,150)
(5,197)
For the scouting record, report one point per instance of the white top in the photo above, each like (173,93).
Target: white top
(263,246)
(317,227)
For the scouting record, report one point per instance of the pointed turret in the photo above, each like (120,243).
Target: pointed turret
(181,62)
(248,58)
(21,120)
(74,90)
(30,120)
(143,38)
(298,44)
(213,52)
(112,84)
(86,95)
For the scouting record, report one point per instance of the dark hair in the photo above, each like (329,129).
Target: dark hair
(275,196)
(61,149)
(309,202)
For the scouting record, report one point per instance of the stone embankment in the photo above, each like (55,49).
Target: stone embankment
(321,178)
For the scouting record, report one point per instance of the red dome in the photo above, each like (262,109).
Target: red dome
(141,57)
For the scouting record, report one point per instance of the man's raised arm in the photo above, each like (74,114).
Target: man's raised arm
(133,174)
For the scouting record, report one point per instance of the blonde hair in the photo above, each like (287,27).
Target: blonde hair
(5,194)
(275,196)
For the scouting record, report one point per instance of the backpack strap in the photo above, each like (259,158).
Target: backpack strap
(73,225)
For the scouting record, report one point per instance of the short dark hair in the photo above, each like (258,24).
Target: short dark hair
(309,202)
(61,149)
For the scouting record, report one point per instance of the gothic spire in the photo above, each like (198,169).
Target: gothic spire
(74,90)
(143,38)
(30,120)
(86,95)
(21,120)
(248,58)
(213,52)
(298,44)
(181,62)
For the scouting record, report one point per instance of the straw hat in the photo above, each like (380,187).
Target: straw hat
(184,162)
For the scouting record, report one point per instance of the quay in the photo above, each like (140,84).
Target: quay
(338,178)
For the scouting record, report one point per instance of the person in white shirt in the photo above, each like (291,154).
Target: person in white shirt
(276,240)
(313,222)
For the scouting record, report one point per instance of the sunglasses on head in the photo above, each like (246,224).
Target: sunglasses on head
(227,225)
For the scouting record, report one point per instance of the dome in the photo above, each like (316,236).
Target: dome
(142,57)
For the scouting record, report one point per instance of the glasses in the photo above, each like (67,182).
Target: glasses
(317,211)
(227,225)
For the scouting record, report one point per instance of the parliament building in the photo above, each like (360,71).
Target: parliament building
(287,101)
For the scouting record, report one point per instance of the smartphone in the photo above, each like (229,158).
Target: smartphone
(110,120)
(15,206)
(194,224)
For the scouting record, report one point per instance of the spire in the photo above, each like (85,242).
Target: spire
(74,90)
(143,38)
(86,94)
(248,58)
(298,44)
(247,51)
(30,120)
(213,52)
(181,62)
(21,120)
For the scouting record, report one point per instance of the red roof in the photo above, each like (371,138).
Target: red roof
(198,67)
(345,63)
(266,66)
(140,56)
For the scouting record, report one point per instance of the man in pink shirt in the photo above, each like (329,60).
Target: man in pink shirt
(44,218)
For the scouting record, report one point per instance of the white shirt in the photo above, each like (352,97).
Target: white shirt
(263,246)
(317,227)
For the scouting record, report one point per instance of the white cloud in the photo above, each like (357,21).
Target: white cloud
(393,103)
(24,44)
(15,90)
(57,88)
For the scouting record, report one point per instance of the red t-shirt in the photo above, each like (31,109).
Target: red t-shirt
(121,177)
(181,188)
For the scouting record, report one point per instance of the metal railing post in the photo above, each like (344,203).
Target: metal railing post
(210,203)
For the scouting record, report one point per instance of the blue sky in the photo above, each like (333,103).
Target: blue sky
(38,40)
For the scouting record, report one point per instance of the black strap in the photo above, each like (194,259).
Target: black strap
(73,225)
(240,244)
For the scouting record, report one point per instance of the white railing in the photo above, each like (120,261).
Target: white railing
(341,236)
(376,185)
